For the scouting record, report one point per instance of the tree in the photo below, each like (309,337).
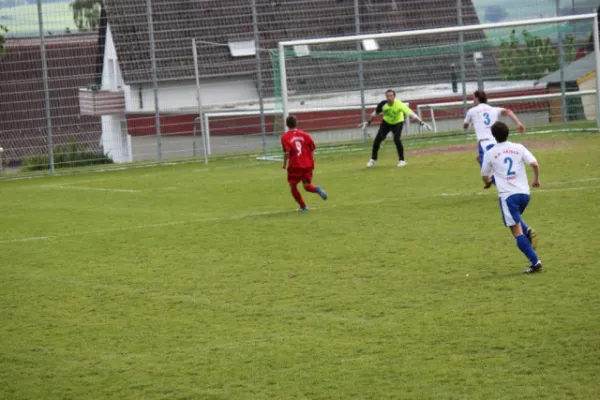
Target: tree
(86,14)
(535,57)
(3,30)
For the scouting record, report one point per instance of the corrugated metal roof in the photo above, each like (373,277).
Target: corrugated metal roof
(213,24)
(71,65)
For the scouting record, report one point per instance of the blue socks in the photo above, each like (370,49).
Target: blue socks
(525,247)
(525,227)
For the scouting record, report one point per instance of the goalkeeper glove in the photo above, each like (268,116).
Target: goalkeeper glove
(364,124)
(426,126)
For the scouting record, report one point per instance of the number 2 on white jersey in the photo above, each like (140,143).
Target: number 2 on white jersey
(298,147)
(509,171)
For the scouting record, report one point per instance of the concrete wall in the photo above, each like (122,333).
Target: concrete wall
(178,146)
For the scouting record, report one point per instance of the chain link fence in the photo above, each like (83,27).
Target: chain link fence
(97,84)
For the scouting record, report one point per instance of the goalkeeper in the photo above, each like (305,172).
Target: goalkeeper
(393,120)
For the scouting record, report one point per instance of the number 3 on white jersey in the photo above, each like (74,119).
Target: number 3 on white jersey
(299,147)
(486,119)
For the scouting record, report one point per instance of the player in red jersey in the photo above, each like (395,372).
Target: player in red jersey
(298,148)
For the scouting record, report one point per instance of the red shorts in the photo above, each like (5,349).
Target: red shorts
(297,175)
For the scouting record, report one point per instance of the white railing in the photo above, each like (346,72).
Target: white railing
(433,106)
(251,113)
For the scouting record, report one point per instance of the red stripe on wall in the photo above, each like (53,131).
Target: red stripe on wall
(182,124)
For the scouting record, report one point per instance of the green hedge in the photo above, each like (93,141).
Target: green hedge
(68,156)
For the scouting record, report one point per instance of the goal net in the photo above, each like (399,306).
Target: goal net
(542,69)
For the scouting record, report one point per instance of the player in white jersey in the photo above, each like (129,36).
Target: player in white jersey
(483,116)
(506,162)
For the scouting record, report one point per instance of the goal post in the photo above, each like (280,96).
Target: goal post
(236,117)
(507,59)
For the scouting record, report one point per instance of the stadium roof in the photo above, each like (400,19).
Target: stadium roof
(176,22)
(72,61)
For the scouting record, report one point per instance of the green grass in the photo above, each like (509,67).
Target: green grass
(425,139)
(189,281)
(23,20)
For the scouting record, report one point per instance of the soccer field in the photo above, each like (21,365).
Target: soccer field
(192,281)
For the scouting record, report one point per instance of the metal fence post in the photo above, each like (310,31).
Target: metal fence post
(596,36)
(461,46)
(261,99)
(361,69)
(561,64)
(200,119)
(154,79)
(46,88)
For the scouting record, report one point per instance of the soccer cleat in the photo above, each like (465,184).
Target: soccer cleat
(371,163)
(532,236)
(402,163)
(305,208)
(322,193)
(532,269)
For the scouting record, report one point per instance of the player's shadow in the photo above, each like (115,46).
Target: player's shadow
(502,275)
(374,169)
(272,214)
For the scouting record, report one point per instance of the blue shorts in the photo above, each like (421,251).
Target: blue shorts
(482,150)
(512,207)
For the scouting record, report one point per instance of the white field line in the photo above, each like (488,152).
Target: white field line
(572,181)
(533,192)
(189,221)
(456,194)
(79,182)
(267,213)
(186,185)
(88,188)
(573,189)
(225,167)
(29,239)
(280,176)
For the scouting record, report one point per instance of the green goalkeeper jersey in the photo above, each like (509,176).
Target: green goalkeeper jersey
(393,114)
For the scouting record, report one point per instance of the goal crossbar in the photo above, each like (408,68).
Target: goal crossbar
(431,31)
(454,29)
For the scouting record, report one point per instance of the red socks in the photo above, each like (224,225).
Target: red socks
(298,197)
(311,188)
